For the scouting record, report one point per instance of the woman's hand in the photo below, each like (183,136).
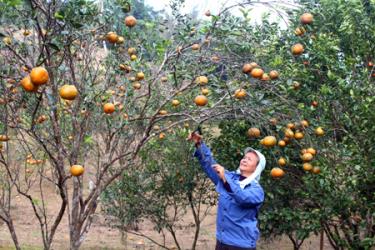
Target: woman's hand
(220,170)
(195,137)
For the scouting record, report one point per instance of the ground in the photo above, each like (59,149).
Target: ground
(101,236)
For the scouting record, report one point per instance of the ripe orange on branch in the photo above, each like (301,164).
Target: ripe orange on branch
(112,37)
(253,132)
(205,91)
(274,74)
(201,100)
(240,94)
(109,108)
(77,170)
(319,131)
(140,76)
(298,135)
(297,49)
(307,157)
(281,161)
(195,46)
(130,21)
(201,80)
(27,85)
(277,173)
(257,73)
(246,68)
(269,141)
(68,92)
(306,18)
(307,166)
(39,76)
(175,102)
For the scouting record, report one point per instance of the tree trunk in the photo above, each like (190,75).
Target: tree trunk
(12,231)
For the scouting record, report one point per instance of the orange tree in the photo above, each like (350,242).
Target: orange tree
(85,83)
(243,63)
(163,192)
(332,84)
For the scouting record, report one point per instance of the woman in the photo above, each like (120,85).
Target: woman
(240,196)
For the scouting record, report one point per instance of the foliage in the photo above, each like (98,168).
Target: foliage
(167,187)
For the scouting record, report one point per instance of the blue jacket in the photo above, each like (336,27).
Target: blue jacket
(236,221)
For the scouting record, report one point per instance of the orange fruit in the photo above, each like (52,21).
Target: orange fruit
(201,80)
(246,68)
(257,73)
(175,103)
(201,100)
(205,91)
(27,85)
(304,123)
(291,125)
(307,166)
(265,77)
(311,151)
(132,51)
(140,76)
(109,108)
(316,170)
(39,76)
(130,21)
(120,40)
(281,161)
(289,133)
(161,136)
(164,79)
(269,141)
(137,85)
(281,143)
(298,135)
(254,64)
(319,131)
(297,49)
(112,37)
(133,57)
(195,46)
(77,170)
(68,92)
(306,18)
(163,112)
(307,157)
(4,138)
(274,74)
(277,172)
(253,132)
(299,31)
(240,94)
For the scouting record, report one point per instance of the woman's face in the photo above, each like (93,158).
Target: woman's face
(249,163)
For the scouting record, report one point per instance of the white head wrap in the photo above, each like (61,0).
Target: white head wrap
(258,171)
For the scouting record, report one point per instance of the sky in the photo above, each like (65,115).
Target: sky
(215,5)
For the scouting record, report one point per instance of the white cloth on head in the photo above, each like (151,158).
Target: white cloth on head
(258,171)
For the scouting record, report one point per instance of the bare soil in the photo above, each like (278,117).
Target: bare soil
(101,236)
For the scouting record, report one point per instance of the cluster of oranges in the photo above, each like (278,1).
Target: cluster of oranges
(291,131)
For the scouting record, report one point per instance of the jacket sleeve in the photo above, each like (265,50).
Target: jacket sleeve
(245,197)
(206,160)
